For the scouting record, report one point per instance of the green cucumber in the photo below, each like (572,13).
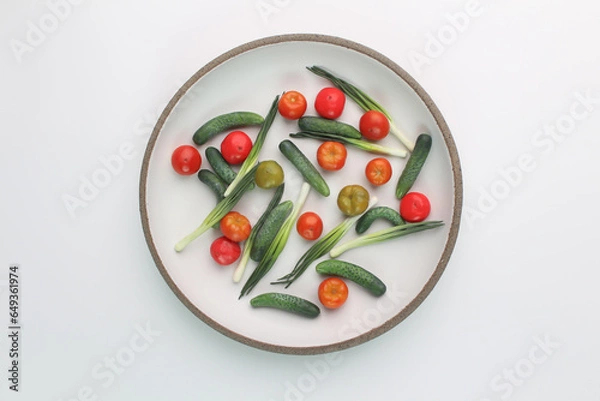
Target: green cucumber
(219,164)
(304,166)
(225,122)
(413,165)
(380,212)
(353,273)
(286,302)
(277,195)
(217,185)
(270,227)
(318,124)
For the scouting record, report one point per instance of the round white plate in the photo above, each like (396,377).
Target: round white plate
(248,78)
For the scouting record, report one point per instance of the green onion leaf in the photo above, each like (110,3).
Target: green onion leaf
(363,100)
(252,158)
(384,235)
(321,247)
(358,143)
(222,208)
(278,243)
(241,267)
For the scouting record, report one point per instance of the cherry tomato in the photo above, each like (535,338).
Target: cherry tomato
(292,105)
(374,125)
(225,251)
(330,103)
(414,207)
(333,292)
(235,226)
(353,200)
(269,174)
(186,160)
(235,147)
(378,171)
(332,155)
(309,226)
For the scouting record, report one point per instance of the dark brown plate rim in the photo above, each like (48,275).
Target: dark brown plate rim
(456,173)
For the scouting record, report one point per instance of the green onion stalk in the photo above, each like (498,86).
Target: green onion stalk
(384,235)
(252,158)
(241,267)
(321,247)
(363,100)
(222,208)
(358,143)
(278,244)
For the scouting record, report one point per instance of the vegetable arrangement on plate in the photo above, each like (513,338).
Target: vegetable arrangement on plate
(236,169)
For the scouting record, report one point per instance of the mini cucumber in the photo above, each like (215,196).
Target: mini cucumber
(318,124)
(380,212)
(270,227)
(217,185)
(225,122)
(304,166)
(286,302)
(413,165)
(353,273)
(219,164)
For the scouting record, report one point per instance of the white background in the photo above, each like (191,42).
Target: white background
(524,271)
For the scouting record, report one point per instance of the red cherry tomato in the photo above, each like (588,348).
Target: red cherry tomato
(378,171)
(235,147)
(235,226)
(186,160)
(414,207)
(225,251)
(332,155)
(333,292)
(309,226)
(292,105)
(330,103)
(374,125)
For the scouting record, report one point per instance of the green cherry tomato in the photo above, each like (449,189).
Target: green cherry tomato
(269,174)
(353,200)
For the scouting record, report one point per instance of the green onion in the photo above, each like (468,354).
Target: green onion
(384,235)
(321,247)
(241,267)
(252,158)
(222,208)
(278,243)
(358,143)
(363,100)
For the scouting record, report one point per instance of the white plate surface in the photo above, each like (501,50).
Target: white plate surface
(249,78)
